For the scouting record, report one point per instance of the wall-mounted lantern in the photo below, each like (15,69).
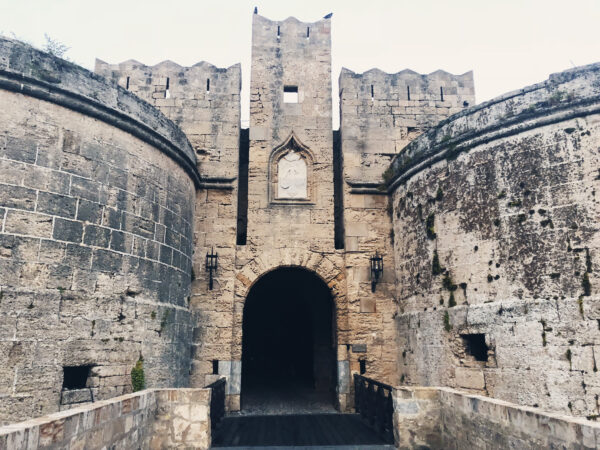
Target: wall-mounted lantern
(212,262)
(376,270)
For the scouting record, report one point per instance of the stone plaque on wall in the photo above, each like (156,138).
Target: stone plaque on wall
(292,177)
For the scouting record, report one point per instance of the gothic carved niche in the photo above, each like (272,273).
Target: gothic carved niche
(290,173)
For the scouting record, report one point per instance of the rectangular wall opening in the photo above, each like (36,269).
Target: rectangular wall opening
(127,84)
(475,346)
(242,210)
(441,93)
(215,366)
(290,94)
(75,377)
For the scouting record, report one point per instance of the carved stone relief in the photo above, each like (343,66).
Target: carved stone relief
(292,177)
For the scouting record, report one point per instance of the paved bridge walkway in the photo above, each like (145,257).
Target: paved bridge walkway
(323,431)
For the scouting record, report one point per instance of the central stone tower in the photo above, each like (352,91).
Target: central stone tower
(290,189)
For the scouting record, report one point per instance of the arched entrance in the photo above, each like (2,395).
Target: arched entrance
(288,350)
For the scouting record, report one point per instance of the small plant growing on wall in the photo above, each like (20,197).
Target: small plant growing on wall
(138,379)
(447,324)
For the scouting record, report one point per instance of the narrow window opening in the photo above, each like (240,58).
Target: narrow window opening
(307,32)
(290,94)
(215,366)
(475,346)
(278,31)
(208,85)
(338,199)
(441,93)
(408,92)
(75,377)
(465,103)
(127,84)
(363,366)
(167,93)
(372,92)
(242,218)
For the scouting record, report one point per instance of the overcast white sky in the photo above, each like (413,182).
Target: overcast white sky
(507,43)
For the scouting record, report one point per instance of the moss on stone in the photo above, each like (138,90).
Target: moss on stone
(447,324)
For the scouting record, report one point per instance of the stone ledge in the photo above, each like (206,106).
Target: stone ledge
(441,417)
(152,418)
(563,96)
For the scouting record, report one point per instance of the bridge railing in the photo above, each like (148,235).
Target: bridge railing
(373,401)
(217,402)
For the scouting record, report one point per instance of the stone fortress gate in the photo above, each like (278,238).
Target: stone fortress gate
(291,207)
(140,224)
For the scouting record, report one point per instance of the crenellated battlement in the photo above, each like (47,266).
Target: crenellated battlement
(204,100)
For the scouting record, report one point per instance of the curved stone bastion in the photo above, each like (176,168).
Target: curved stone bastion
(495,216)
(97,192)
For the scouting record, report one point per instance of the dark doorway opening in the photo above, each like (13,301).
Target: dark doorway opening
(288,352)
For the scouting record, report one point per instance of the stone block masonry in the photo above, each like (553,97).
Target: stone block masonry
(96,214)
(204,101)
(149,419)
(380,114)
(496,219)
(443,418)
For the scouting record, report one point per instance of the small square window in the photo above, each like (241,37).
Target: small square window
(475,346)
(75,377)
(290,94)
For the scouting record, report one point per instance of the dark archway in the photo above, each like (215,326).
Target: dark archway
(288,350)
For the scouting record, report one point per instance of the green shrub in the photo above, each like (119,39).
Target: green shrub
(138,379)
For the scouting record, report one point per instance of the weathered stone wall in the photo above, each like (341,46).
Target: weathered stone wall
(378,117)
(182,420)
(152,419)
(204,101)
(496,226)
(96,206)
(443,418)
